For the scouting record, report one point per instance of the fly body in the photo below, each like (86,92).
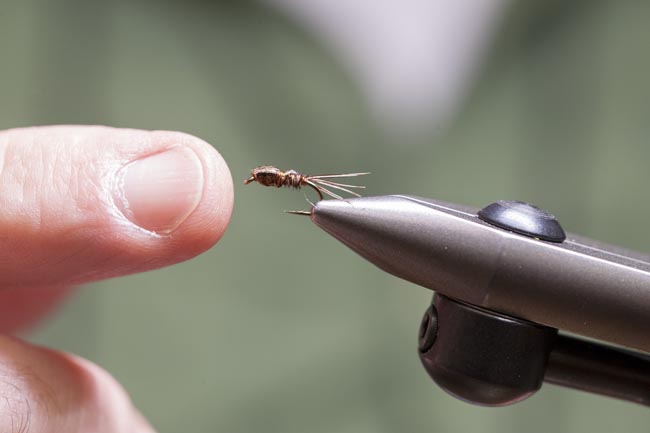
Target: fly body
(268,175)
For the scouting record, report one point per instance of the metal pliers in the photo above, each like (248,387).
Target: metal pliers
(515,296)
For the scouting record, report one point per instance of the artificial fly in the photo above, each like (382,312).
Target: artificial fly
(268,175)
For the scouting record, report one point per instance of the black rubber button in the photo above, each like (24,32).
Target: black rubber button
(523,218)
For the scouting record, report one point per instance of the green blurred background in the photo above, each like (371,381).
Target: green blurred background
(311,338)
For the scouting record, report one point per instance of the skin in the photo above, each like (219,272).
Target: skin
(65,219)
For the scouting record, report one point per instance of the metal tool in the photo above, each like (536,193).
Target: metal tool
(507,278)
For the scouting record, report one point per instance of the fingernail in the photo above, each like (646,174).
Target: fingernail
(160,191)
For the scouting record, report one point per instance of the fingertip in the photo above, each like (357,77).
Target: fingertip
(83,203)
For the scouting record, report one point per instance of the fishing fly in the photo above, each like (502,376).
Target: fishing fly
(268,175)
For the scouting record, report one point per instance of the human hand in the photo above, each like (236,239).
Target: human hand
(81,204)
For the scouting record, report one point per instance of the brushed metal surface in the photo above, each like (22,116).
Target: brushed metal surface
(580,285)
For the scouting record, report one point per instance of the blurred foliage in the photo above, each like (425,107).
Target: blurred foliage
(310,337)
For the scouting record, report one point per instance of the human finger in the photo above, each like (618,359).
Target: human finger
(82,203)
(21,308)
(45,391)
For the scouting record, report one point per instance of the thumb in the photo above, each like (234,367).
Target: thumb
(82,203)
